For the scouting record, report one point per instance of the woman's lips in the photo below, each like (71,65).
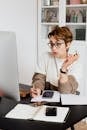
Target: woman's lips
(54,53)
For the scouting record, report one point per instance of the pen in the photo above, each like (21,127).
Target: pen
(67,115)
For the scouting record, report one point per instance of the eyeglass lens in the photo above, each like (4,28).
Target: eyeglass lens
(56,45)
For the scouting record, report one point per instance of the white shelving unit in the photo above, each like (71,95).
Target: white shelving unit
(54,12)
(76,19)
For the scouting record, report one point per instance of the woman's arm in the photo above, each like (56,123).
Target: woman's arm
(67,84)
(38,81)
(38,84)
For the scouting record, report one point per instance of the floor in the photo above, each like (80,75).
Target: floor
(80,126)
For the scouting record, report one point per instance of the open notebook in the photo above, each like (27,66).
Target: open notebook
(24,111)
(54,98)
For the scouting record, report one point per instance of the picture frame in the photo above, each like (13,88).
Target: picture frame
(50,15)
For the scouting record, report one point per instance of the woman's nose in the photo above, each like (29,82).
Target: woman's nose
(54,48)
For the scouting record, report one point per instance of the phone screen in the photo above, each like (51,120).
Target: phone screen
(51,111)
(47,94)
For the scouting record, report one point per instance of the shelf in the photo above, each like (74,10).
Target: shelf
(51,6)
(44,23)
(76,24)
(79,42)
(76,5)
(72,15)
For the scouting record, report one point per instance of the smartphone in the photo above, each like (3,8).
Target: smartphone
(47,94)
(51,111)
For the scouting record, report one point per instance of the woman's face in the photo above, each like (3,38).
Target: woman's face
(58,48)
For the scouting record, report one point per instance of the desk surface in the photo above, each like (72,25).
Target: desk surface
(77,113)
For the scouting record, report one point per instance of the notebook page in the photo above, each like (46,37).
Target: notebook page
(60,117)
(55,98)
(22,111)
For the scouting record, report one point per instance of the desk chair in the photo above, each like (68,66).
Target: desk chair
(24,90)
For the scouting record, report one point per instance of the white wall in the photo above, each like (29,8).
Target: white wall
(20,17)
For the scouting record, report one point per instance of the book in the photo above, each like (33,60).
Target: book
(50,96)
(28,112)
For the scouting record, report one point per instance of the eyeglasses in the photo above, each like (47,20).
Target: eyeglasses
(57,44)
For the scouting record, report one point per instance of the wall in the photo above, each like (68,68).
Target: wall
(20,17)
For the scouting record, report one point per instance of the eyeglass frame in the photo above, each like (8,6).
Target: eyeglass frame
(57,44)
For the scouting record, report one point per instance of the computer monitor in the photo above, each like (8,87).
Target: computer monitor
(8,65)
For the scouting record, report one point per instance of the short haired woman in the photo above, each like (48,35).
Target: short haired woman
(57,69)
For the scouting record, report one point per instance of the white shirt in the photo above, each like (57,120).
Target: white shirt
(50,66)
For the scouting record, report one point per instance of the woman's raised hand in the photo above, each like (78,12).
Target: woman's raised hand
(71,58)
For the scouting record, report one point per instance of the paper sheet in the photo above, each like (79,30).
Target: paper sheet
(61,115)
(55,98)
(71,99)
(22,111)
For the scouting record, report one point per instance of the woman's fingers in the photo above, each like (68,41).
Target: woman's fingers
(70,59)
(35,92)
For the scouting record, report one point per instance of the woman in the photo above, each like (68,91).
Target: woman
(57,69)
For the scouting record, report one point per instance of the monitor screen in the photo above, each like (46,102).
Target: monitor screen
(8,65)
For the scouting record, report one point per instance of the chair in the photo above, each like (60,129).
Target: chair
(24,90)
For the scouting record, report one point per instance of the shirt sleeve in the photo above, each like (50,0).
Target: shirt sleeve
(75,78)
(39,78)
(68,87)
(42,65)
(38,81)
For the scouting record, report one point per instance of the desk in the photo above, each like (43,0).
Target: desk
(77,113)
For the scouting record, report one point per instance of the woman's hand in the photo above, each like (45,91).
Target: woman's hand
(35,92)
(69,60)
